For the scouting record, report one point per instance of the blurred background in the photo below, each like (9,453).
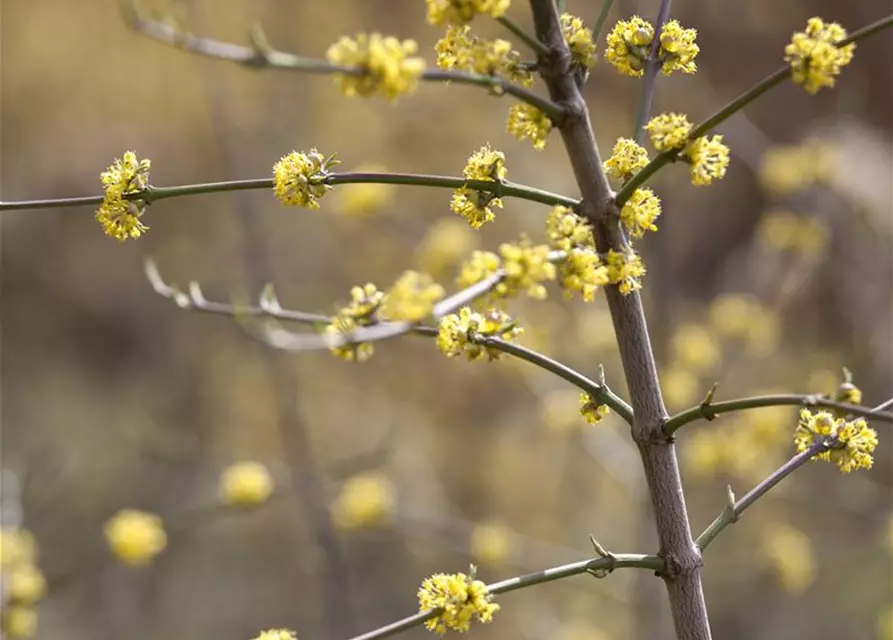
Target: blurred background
(410,464)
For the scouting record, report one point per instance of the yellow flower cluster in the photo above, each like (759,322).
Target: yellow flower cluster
(23,582)
(787,231)
(566,230)
(790,553)
(815,56)
(277,634)
(627,158)
(485,164)
(120,217)
(461,332)
(708,156)
(412,297)
(640,211)
(245,484)
(364,500)
(851,442)
(591,410)
(526,122)
(442,12)
(383,65)
(461,50)
(460,598)
(630,42)
(579,41)
(135,537)
(526,267)
(298,178)
(668,131)
(446,242)
(475,206)
(360,312)
(625,269)
(581,269)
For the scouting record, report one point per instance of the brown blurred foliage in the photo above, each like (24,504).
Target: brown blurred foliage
(113,398)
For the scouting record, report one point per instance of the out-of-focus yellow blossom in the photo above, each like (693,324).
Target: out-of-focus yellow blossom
(442,12)
(853,442)
(786,231)
(849,393)
(629,45)
(890,534)
(582,271)
(578,630)
(480,266)
(709,159)
(120,217)
(17,547)
(668,131)
(362,199)
(446,242)
(625,269)
(474,206)
(885,624)
(640,211)
(491,543)
(26,584)
(135,537)
(526,122)
(364,501)
(815,56)
(364,301)
(19,622)
(566,230)
(744,317)
(627,158)
(770,426)
(822,381)
(459,332)
(462,598)
(298,178)
(364,304)
(579,41)
(461,50)
(591,410)
(694,346)
(560,409)
(790,554)
(704,453)
(526,267)
(677,48)
(595,329)
(277,634)
(787,169)
(245,484)
(680,387)
(412,297)
(384,65)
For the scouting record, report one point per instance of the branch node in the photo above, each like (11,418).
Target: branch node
(706,413)
(260,44)
(604,554)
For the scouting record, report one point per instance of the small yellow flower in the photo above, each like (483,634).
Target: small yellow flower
(460,332)
(709,159)
(591,410)
(474,206)
(480,266)
(383,65)
(849,393)
(566,230)
(445,243)
(639,212)
(526,122)
(135,537)
(560,410)
(787,231)
(363,501)
(669,131)
(694,346)
(19,622)
(526,267)
(582,271)
(277,634)
(26,584)
(442,12)
(17,547)
(579,41)
(246,484)
(851,443)
(790,553)
(626,159)
(677,48)
(491,543)
(462,599)
(461,50)
(119,216)
(815,56)
(299,178)
(679,386)
(625,269)
(629,45)
(412,297)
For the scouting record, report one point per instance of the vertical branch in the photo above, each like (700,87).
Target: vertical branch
(651,68)
(683,559)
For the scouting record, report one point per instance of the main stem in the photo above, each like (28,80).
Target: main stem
(682,575)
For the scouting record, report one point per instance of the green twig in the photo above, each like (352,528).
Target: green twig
(522,35)
(602,18)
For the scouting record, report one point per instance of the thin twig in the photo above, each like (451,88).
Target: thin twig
(650,75)
(602,18)
(538,47)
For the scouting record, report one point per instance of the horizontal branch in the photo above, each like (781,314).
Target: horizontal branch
(708,410)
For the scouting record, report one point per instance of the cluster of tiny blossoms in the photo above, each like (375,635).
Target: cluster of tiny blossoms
(643,207)
(475,206)
(591,410)
(630,41)
(412,297)
(815,56)
(120,217)
(383,65)
(277,634)
(459,598)
(461,50)
(441,12)
(24,584)
(462,332)
(580,269)
(850,443)
(579,41)
(245,484)
(299,178)
(135,537)
(526,122)
(707,155)
(524,268)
